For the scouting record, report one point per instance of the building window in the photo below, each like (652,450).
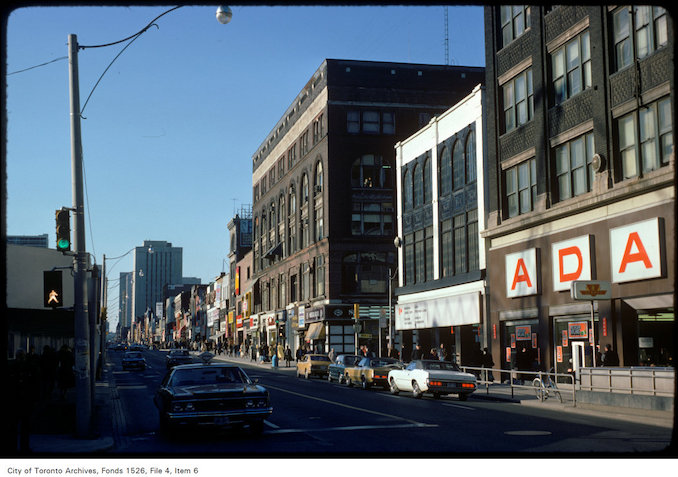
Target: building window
(574,173)
(407,190)
(459,167)
(292,220)
(646,138)
(293,288)
(518,97)
(291,157)
(650,32)
(304,144)
(365,272)
(388,123)
(471,173)
(370,122)
(319,211)
(370,171)
(281,167)
(372,218)
(446,250)
(472,240)
(459,244)
(305,293)
(515,19)
(353,122)
(571,68)
(426,181)
(409,259)
(282,291)
(521,188)
(318,129)
(319,275)
(445,171)
(418,179)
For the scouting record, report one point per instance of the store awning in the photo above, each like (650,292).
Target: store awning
(275,250)
(316,331)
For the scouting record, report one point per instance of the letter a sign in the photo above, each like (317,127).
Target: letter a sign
(635,251)
(521,273)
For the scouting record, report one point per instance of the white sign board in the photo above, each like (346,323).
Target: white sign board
(571,260)
(521,273)
(635,251)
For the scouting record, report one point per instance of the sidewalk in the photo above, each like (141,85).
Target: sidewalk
(53,430)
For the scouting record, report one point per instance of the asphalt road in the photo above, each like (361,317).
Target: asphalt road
(314,418)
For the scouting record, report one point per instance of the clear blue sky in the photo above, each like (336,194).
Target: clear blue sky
(170,130)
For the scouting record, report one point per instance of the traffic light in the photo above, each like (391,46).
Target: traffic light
(63,230)
(53,290)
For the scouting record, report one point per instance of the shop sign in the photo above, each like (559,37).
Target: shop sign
(571,261)
(565,340)
(508,354)
(559,354)
(590,290)
(578,330)
(317,313)
(635,251)
(456,310)
(238,321)
(521,273)
(513,340)
(302,316)
(534,341)
(254,321)
(523,332)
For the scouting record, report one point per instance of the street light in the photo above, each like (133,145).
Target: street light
(81,325)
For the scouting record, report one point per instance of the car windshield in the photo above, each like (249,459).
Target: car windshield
(133,355)
(181,352)
(318,358)
(440,365)
(377,363)
(208,375)
(351,360)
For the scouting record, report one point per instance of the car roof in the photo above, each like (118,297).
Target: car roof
(205,365)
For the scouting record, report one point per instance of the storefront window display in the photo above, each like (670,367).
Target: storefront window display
(520,345)
(655,337)
(573,341)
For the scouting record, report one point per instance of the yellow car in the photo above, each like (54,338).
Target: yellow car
(313,365)
(371,371)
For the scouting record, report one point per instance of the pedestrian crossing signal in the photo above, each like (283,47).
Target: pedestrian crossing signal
(53,289)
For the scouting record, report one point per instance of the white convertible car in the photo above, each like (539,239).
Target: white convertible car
(435,377)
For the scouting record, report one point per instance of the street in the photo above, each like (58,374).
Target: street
(318,418)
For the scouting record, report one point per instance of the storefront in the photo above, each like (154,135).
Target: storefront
(533,308)
(449,316)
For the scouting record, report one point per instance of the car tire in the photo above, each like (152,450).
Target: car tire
(329,377)
(393,388)
(341,379)
(416,390)
(364,384)
(348,381)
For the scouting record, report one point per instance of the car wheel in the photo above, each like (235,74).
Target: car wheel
(416,390)
(393,388)
(364,384)
(341,379)
(329,377)
(463,397)
(307,375)
(347,380)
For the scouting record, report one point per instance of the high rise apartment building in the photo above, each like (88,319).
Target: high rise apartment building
(156,264)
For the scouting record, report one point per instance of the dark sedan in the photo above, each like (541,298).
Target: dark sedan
(341,362)
(178,356)
(133,360)
(215,395)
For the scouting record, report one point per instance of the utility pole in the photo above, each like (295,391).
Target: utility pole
(81,326)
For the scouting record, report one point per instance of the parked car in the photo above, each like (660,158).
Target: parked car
(371,371)
(211,394)
(313,365)
(435,377)
(336,370)
(178,356)
(136,347)
(133,360)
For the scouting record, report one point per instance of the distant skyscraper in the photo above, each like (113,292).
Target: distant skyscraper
(156,264)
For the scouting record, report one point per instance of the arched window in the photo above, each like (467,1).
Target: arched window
(304,189)
(426,181)
(471,169)
(407,190)
(281,209)
(459,169)
(292,202)
(445,171)
(318,178)
(417,178)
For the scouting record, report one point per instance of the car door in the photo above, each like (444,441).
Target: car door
(404,380)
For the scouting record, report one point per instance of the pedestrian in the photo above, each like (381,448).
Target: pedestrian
(65,373)
(488,363)
(24,385)
(432,355)
(442,353)
(331,355)
(253,353)
(610,357)
(416,354)
(288,356)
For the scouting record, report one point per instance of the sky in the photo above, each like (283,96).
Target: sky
(169,132)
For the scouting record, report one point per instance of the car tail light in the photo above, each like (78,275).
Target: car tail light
(435,383)
(468,385)
(379,376)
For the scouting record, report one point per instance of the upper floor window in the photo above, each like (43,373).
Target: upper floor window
(370,171)
(445,171)
(370,122)
(459,169)
(646,138)
(518,96)
(318,129)
(291,157)
(418,179)
(471,169)
(318,178)
(304,189)
(638,31)
(521,188)
(292,203)
(571,68)
(407,190)
(304,143)
(574,173)
(515,19)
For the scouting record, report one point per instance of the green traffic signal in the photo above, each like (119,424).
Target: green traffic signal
(63,230)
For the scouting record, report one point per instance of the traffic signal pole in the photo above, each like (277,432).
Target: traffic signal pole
(83,389)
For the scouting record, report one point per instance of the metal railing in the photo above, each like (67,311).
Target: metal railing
(514,380)
(649,381)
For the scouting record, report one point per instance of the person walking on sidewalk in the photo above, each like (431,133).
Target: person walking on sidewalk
(288,356)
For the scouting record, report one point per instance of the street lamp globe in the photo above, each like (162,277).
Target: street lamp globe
(224,14)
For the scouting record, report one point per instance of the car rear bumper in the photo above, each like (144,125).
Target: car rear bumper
(220,418)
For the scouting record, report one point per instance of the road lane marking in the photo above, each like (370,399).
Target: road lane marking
(349,428)
(377,413)
(459,406)
(131,386)
(527,433)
